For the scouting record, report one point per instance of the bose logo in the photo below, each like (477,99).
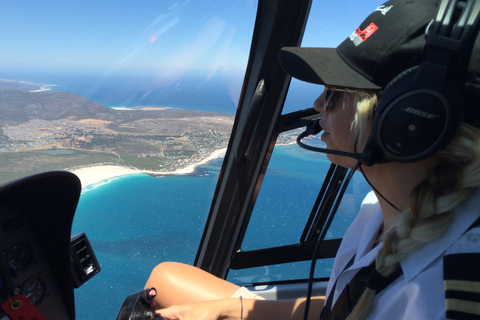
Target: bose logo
(421,113)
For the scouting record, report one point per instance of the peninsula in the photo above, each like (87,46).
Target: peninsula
(45,130)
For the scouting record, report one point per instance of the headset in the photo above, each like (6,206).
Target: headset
(421,109)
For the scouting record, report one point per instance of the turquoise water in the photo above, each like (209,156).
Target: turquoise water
(134,223)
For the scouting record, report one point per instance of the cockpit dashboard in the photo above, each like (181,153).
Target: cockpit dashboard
(41,263)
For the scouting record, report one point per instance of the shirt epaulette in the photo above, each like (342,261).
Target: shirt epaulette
(462,285)
(461,276)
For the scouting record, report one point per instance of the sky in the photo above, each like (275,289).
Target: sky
(167,35)
(138,34)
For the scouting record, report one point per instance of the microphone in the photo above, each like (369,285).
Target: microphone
(370,156)
(314,128)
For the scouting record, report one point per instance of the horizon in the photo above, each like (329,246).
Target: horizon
(169,37)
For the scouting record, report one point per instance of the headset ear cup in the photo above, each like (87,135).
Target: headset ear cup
(414,117)
(372,153)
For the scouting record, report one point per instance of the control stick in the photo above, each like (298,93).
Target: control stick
(139,306)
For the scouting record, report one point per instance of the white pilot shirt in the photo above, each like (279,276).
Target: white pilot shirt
(419,292)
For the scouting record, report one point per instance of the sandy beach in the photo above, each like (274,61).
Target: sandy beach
(95,174)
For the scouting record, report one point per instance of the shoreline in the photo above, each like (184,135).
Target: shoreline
(94,174)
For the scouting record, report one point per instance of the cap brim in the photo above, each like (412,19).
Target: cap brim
(322,66)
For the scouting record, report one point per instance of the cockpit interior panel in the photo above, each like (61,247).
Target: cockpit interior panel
(37,265)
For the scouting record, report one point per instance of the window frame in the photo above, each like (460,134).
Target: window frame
(257,125)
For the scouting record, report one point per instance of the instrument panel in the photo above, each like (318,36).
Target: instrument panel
(24,269)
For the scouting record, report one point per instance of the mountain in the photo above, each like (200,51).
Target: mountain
(19,106)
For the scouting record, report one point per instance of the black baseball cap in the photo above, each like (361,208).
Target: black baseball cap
(390,41)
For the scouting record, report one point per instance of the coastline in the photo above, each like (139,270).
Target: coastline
(97,173)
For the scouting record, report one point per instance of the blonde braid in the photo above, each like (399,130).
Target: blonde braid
(450,183)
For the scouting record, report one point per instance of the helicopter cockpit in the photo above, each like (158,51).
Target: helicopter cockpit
(224,219)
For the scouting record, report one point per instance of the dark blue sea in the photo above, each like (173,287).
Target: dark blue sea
(136,221)
(194,91)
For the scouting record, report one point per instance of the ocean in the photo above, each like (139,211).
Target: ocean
(136,221)
(194,91)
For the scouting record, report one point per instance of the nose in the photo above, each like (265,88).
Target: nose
(319,104)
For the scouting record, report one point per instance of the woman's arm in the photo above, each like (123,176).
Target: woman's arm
(178,283)
(187,292)
(247,309)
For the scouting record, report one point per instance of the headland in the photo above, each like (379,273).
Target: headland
(45,130)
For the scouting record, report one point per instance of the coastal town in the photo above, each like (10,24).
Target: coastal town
(69,143)
(94,135)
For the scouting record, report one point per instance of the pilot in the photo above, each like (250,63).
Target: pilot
(405,111)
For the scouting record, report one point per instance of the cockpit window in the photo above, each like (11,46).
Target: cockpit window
(136,98)
(289,189)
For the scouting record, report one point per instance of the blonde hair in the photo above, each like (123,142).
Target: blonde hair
(432,202)
(364,116)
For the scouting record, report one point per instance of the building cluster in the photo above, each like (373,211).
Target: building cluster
(159,152)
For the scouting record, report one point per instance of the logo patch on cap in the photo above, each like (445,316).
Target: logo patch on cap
(359,36)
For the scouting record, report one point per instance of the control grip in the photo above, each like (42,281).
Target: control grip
(139,306)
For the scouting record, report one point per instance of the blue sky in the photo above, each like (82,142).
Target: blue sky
(146,34)
(125,34)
